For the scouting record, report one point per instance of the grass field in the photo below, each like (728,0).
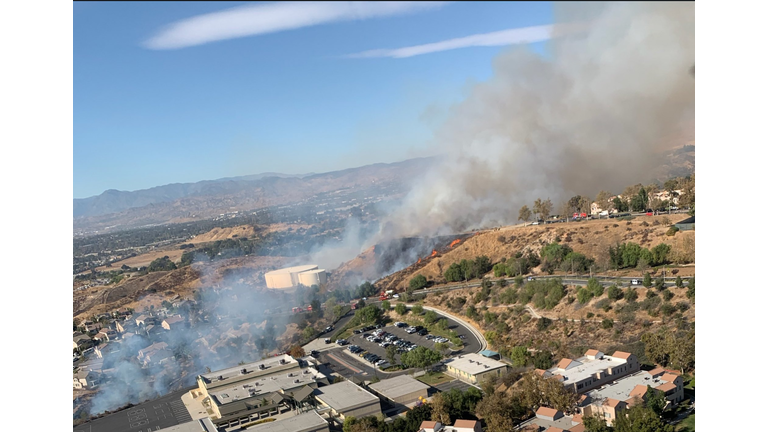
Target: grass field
(434,379)
(688,424)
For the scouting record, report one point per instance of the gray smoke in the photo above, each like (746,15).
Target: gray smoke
(593,116)
(227,305)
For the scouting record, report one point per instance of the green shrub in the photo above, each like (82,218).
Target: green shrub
(583,295)
(418,282)
(594,286)
(615,293)
(668,309)
(667,295)
(672,230)
(590,315)
(607,323)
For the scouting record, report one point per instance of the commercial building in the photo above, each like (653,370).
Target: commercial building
(592,370)
(403,389)
(474,368)
(347,399)
(630,390)
(257,390)
(291,277)
(201,425)
(307,422)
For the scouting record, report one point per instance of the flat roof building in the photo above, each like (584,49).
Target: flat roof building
(256,390)
(592,370)
(307,422)
(347,399)
(201,425)
(474,368)
(402,389)
(630,390)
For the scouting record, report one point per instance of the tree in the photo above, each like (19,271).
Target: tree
(647,280)
(441,347)
(583,295)
(595,423)
(542,360)
(417,309)
(500,411)
(467,269)
(615,293)
(595,287)
(630,294)
(338,311)
(385,305)
(640,418)
(418,282)
(519,356)
(440,409)
(658,283)
(691,293)
(620,205)
(309,333)
(536,391)
(391,352)
(430,317)
(545,209)
(602,200)
(679,282)
(454,273)
(524,214)
(297,351)
(401,309)
(655,400)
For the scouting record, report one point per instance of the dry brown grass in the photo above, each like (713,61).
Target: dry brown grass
(591,238)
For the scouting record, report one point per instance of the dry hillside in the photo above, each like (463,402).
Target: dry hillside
(591,238)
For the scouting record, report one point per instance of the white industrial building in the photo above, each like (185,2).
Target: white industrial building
(290,277)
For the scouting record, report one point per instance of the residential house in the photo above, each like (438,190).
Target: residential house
(86,379)
(157,357)
(105,349)
(152,348)
(81,341)
(552,420)
(173,322)
(101,336)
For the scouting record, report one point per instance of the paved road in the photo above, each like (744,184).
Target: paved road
(149,416)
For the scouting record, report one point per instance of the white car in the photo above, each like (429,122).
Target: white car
(397,296)
(635,282)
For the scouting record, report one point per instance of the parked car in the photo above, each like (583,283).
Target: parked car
(358,331)
(635,282)
(342,342)
(329,328)
(423,332)
(314,353)
(410,330)
(327,340)
(397,296)
(530,278)
(462,337)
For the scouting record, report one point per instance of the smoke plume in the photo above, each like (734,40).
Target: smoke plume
(592,116)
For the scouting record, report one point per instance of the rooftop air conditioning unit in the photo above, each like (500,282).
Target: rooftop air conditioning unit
(221,377)
(262,367)
(243,371)
(296,381)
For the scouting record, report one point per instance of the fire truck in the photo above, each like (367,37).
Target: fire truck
(300,309)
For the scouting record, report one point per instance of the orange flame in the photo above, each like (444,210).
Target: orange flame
(455,242)
(419,261)
(434,252)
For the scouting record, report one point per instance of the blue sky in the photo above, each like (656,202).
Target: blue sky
(294,101)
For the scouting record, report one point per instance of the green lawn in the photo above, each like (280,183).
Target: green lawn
(688,424)
(434,379)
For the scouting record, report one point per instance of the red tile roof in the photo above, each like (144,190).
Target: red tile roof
(666,387)
(554,429)
(564,363)
(639,391)
(613,403)
(466,423)
(426,424)
(621,355)
(669,377)
(657,371)
(546,412)
(577,428)
(592,352)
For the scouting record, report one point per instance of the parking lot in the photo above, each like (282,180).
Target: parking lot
(400,333)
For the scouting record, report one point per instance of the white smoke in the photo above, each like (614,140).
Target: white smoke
(591,117)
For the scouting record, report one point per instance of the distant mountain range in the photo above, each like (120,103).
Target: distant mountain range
(111,201)
(194,201)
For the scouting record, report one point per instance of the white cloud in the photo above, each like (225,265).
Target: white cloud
(499,38)
(273,17)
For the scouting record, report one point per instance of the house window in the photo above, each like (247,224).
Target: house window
(607,415)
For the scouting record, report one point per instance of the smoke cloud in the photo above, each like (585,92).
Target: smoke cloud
(592,116)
